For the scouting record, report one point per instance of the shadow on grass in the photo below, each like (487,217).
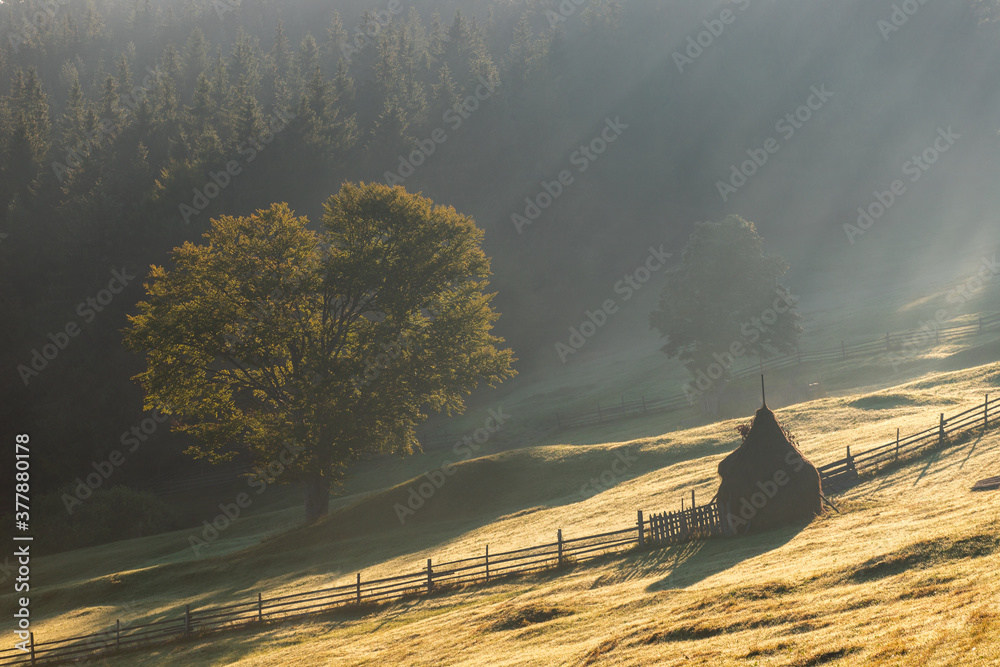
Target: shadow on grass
(691,563)
(928,461)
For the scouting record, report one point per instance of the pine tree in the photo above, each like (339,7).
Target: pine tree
(94,28)
(73,119)
(520,59)
(307,59)
(245,62)
(343,84)
(195,60)
(336,47)
(445,95)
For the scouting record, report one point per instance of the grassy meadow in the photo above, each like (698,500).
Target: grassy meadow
(906,573)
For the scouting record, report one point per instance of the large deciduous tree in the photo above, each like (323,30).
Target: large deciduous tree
(725,301)
(314,348)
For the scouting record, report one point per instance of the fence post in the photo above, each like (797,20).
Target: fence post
(559,540)
(641,537)
(118,634)
(430,576)
(31,639)
(941,430)
(187,619)
(487,563)
(260,607)
(693,505)
(986,413)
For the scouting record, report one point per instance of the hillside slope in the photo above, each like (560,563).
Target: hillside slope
(906,575)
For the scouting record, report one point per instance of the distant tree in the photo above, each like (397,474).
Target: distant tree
(195,58)
(724,302)
(314,349)
(521,56)
(245,60)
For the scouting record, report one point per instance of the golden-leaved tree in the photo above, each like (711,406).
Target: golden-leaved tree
(320,347)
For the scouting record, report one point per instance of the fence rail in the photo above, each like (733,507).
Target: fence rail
(695,523)
(434,576)
(891,342)
(840,474)
(656,530)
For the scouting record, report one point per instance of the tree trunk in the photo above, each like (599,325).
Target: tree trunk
(317,488)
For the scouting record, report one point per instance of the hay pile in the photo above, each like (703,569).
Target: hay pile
(767,481)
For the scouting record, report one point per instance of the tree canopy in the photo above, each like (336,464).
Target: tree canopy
(270,337)
(725,301)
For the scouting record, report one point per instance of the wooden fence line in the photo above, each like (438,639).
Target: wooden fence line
(844,472)
(260,608)
(697,522)
(662,529)
(889,343)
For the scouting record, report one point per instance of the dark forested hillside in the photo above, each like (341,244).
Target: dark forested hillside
(126,125)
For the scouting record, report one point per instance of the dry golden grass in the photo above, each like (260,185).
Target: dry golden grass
(908,574)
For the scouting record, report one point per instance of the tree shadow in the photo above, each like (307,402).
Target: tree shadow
(694,562)
(972,450)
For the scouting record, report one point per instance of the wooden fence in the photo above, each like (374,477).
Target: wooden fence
(891,342)
(657,530)
(260,607)
(842,473)
(686,525)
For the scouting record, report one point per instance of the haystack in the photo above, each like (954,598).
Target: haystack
(767,481)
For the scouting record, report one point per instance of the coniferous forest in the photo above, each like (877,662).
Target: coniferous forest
(126,125)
